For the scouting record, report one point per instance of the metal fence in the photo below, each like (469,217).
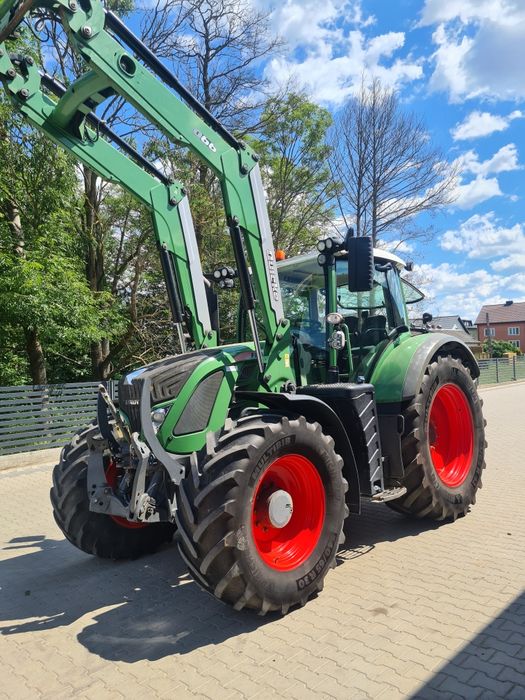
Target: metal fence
(39,417)
(502,369)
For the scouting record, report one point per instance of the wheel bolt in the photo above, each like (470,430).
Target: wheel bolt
(87,31)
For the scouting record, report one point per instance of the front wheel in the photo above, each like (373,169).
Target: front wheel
(106,536)
(443,444)
(260,526)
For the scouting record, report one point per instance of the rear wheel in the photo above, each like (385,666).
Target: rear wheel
(95,533)
(260,526)
(443,444)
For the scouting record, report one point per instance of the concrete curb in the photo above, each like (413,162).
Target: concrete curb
(38,458)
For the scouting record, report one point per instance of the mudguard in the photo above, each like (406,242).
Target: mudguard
(399,371)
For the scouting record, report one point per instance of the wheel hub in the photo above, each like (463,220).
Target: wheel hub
(288,512)
(280,508)
(451,435)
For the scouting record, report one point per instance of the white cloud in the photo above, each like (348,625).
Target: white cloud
(451,290)
(481,236)
(329,60)
(504,160)
(514,261)
(468,194)
(396,246)
(466,11)
(479,43)
(478,124)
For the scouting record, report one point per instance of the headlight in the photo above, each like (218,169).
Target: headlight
(157,418)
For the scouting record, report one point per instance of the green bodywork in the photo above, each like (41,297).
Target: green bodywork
(391,364)
(231,360)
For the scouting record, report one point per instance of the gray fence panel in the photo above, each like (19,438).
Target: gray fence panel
(502,369)
(39,417)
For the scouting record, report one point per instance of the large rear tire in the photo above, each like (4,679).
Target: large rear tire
(96,533)
(259,527)
(443,445)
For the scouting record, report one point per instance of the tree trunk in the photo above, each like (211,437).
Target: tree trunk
(35,355)
(95,271)
(15,224)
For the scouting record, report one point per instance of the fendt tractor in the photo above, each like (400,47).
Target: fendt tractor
(253,453)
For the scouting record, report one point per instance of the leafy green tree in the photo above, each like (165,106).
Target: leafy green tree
(47,311)
(294,156)
(498,348)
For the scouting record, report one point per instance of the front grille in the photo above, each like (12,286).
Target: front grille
(129,402)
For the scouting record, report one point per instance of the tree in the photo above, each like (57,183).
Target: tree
(294,156)
(216,47)
(498,348)
(386,166)
(46,305)
(95,230)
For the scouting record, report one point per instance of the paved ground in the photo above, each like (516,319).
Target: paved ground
(413,610)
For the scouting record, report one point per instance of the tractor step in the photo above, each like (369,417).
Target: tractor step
(389,494)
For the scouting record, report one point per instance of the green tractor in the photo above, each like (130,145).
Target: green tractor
(253,453)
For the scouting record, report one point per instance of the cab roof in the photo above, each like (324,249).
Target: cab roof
(379,254)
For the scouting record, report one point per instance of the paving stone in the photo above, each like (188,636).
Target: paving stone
(414,610)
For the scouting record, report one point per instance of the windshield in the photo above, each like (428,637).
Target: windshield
(369,316)
(302,286)
(304,300)
(384,302)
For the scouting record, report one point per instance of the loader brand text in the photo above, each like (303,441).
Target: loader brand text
(272,273)
(205,140)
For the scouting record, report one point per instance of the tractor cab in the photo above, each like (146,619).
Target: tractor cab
(365,322)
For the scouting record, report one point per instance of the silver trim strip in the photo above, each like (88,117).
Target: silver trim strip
(263,220)
(197,276)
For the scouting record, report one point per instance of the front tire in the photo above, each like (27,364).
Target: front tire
(443,445)
(259,528)
(95,533)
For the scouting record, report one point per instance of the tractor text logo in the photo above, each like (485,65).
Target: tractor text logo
(205,140)
(272,274)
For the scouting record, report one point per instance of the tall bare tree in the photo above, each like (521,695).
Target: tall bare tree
(386,167)
(216,47)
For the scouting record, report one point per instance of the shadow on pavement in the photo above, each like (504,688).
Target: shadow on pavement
(491,665)
(144,609)
(377,523)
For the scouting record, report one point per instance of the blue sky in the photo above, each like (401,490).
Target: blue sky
(459,64)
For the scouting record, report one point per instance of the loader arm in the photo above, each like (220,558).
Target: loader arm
(119,63)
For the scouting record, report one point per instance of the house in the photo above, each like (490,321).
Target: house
(457,327)
(503,322)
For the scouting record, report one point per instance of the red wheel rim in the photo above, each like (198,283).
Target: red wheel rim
(451,435)
(287,547)
(111,478)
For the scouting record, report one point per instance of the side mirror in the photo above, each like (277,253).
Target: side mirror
(360,264)
(427,318)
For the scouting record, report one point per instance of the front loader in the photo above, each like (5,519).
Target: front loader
(252,452)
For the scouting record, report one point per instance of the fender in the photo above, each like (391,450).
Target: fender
(399,371)
(316,410)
